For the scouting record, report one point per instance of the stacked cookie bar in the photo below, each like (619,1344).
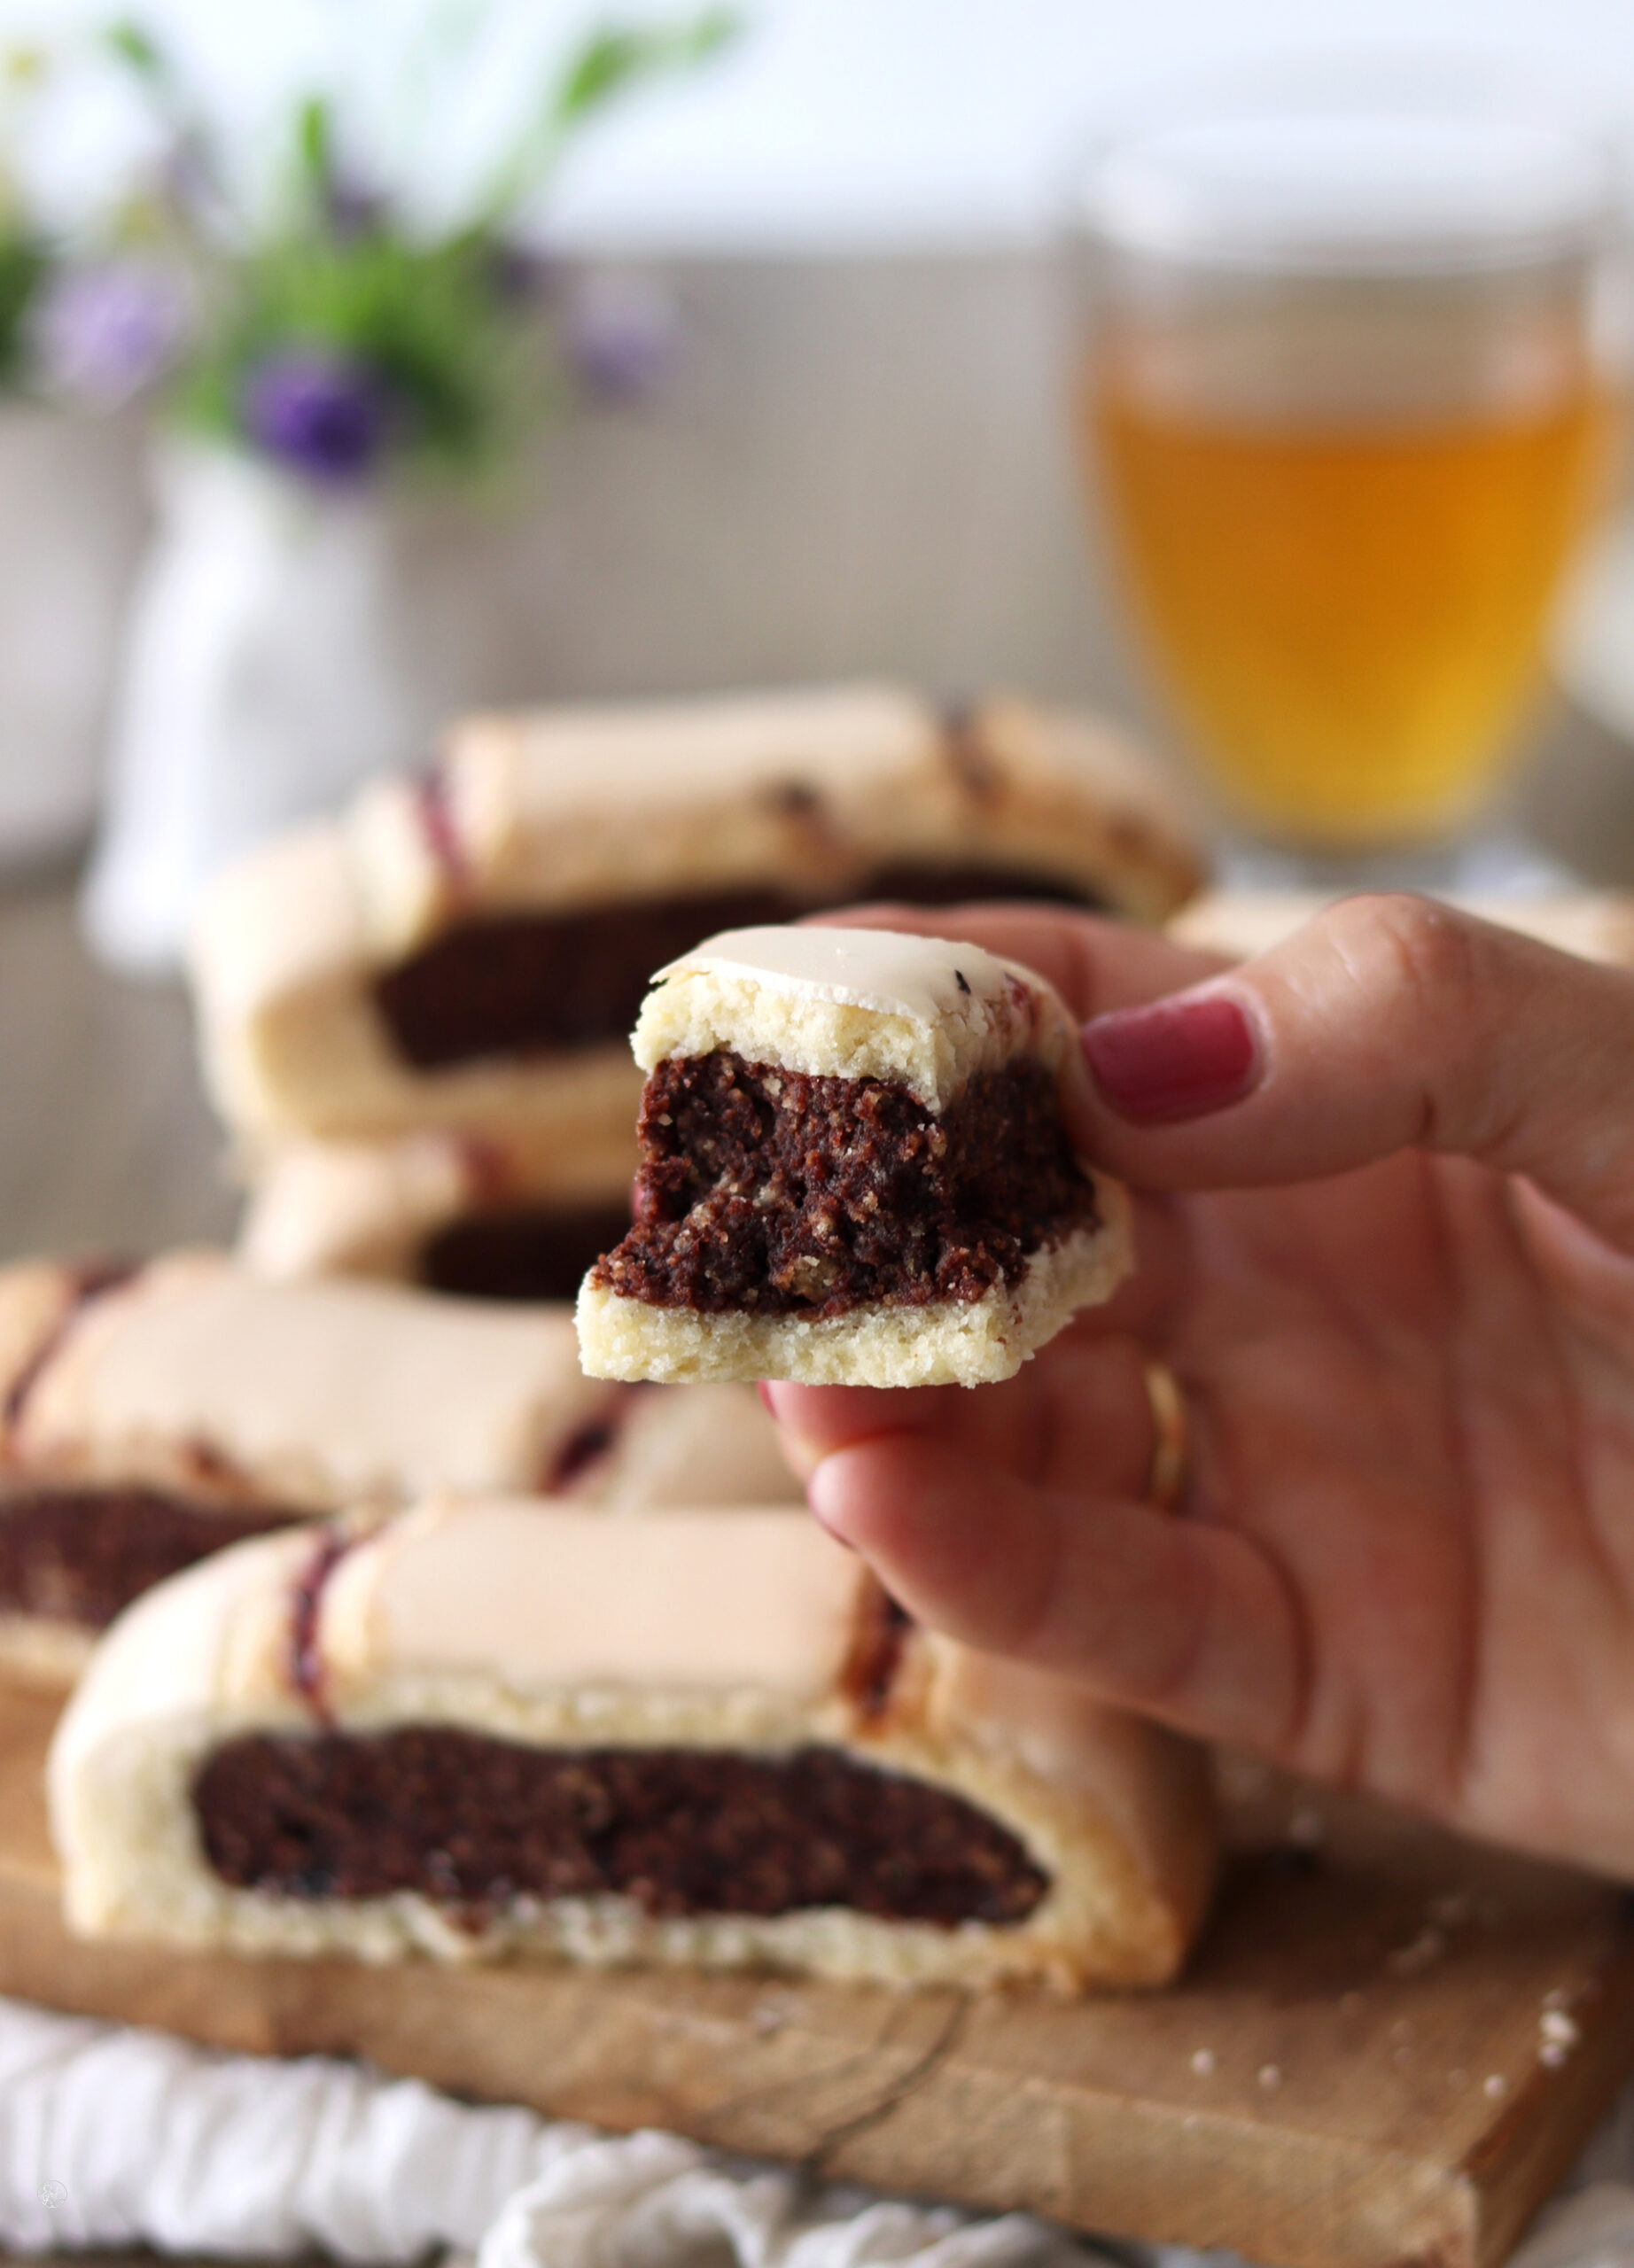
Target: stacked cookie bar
(415,1017)
(151,1417)
(441,1648)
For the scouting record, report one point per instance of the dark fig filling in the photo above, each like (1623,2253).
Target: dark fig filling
(82,1555)
(521,984)
(766,1190)
(520,1251)
(480,1823)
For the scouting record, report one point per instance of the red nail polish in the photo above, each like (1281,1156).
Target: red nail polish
(1178,1058)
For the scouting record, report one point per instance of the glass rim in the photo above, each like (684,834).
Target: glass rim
(1386,175)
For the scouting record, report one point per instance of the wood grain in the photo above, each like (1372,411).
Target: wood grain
(1351,2074)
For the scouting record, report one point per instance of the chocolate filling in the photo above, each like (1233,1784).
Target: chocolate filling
(765,1189)
(80,1554)
(514,983)
(479,1823)
(519,1251)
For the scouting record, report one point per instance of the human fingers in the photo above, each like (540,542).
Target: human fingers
(1178,1618)
(1081,1416)
(1385,1023)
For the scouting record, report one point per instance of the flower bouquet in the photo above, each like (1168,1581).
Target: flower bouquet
(348,357)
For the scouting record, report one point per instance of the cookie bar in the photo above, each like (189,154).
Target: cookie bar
(469,950)
(479,1216)
(468,1733)
(854,1169)
(150,1417)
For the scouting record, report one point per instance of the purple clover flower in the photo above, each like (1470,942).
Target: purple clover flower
(621,333)
(318,413)
(103,334)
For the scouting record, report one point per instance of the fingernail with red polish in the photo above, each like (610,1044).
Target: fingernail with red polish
(1178,1058)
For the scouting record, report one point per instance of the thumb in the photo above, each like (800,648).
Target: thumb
(1386,1023)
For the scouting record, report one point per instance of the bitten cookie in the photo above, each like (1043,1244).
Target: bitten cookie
(855,1170)
(469,1734)
(151,1416)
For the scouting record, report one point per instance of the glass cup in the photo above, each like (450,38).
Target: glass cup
(1347,386)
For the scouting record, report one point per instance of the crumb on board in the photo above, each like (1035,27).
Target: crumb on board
(1204,2060)
(1422,1953)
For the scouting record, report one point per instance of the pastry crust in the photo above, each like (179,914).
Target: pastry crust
(814,793)
(194,1376)
(367,1208)
(465,1616)
(853,1004)
(947,1343)
(922,1013)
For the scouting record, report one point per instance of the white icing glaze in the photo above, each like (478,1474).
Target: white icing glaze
(669,752)
(883,971)
(548,1597)
(334,1390)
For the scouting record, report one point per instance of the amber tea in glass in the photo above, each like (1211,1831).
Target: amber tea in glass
(1347,404)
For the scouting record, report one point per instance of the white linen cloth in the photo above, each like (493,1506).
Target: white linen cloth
(113,2137)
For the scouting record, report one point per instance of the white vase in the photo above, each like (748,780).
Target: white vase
(267,669)
(72,523)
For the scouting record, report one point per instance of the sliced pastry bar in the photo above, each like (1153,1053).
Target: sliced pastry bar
(854,1169)
(485,1217)
(150,1415)
(467,1734)
(469,950)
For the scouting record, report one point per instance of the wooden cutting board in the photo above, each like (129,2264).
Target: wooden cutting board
(1389,2049)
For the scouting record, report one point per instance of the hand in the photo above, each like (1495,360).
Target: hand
(1385,1238)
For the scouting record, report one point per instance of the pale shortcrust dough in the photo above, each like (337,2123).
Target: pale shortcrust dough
(366,1209)
(921,1012)
(712,1629)
(810,790)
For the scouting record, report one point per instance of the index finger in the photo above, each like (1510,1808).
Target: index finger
(1095,964)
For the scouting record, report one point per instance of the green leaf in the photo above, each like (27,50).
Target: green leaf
(135,45)
(611,62)
(314,141)
(24,265)
(619,56)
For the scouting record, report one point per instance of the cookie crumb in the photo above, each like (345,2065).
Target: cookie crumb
(1413,1959)
(1204,2060)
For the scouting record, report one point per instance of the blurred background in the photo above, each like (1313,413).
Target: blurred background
(363,363)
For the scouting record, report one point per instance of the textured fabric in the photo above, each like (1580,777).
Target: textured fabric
(111,2137)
